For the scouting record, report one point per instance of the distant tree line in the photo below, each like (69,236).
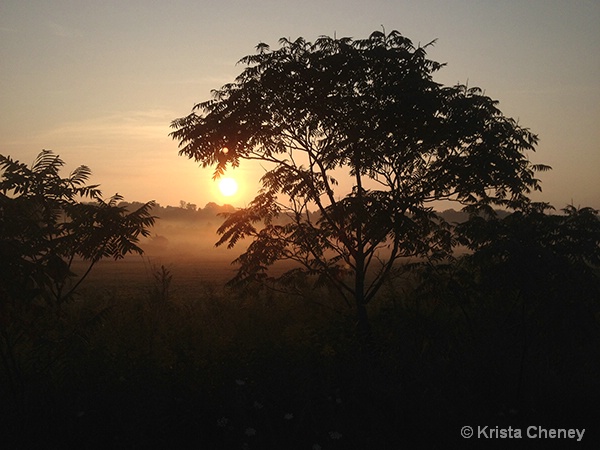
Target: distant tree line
(190,211)
(185,210)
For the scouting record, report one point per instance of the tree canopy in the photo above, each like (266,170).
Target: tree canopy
(368,110)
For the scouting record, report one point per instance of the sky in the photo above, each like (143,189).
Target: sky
(99,82)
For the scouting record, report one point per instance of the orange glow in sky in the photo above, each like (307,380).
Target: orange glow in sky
(100,82)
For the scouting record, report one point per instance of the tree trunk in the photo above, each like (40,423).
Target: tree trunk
(364,333)
(364,327)
(365,337)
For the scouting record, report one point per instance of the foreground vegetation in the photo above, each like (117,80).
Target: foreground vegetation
(505,335)
(259,369)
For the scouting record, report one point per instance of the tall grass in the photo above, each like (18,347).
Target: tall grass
(217,368)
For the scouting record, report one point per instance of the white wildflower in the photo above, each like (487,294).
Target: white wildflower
(250,431)
(222,422)
(288,416)
(335,435)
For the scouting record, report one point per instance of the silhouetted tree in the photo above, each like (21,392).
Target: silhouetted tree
(186,205)
(367,110)
(44,227)
(529,248)
(543,271)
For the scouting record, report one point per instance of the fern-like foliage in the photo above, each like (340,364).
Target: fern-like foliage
(45,224)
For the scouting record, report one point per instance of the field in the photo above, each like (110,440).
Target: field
(156,353)
(134,273)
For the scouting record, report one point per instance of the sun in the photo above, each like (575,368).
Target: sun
(228,187)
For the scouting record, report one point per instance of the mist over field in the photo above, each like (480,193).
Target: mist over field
(188,231)
(183,240)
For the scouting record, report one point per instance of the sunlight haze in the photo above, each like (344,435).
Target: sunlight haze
(228,186)
(100,82)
